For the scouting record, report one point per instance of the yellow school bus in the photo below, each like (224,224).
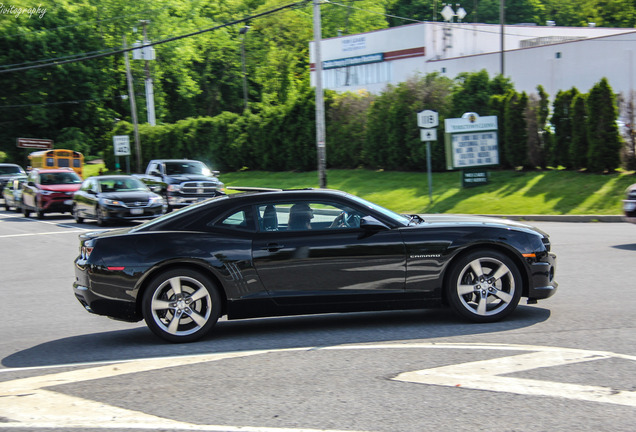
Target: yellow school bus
(57,158)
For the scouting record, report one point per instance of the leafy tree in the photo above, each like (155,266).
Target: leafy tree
(604,141)
(579,144)
(516,133)
(562,122)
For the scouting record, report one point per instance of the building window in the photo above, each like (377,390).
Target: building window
(558,55)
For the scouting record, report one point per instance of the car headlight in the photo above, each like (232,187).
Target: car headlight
(155,200)
(45,192)
(174,188)
(113,202)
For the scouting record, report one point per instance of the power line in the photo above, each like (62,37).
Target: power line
(171,39)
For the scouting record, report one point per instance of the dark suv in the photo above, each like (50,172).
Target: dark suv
(8,172)
(49,191)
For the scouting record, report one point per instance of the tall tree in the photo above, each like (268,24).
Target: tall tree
(604,140)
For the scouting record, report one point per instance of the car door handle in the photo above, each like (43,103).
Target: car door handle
(273,247)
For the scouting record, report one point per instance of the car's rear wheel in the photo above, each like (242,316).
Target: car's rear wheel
(76,215)
(25,210)
(181,305)
(484,286)
(7,207)
(39,212)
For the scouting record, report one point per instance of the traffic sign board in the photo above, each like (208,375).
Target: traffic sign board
(121,143)
(427,119)
(428,134)
(35,143)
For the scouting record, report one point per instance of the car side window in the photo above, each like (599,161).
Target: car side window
(240,220)
(306,215)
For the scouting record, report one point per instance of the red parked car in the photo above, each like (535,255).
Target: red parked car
(49,191)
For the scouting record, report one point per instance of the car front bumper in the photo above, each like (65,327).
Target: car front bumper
(543,284)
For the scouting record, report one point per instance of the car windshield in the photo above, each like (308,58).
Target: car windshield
(59,178)
(122,184)
(9,169)
(398,218)
(173,168)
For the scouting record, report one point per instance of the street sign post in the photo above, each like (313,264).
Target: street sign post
(121,146)
(428,120)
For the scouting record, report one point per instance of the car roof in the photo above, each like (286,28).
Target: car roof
(287,193)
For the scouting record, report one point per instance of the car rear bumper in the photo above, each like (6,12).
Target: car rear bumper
(543,284)
(103,298)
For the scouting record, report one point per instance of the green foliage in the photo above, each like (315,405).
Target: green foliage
(515,139)
(604,142)
(559,153)
(393,141)
(579,144)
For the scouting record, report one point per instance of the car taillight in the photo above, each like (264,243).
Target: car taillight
(86,249)
(86,252)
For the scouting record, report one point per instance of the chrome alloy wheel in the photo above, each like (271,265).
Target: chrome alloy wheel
(181,306)
(486,286)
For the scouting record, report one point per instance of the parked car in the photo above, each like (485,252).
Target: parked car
(629,204)
(12,193)
(306,251)
(8,171)
(49,190)
(116,197)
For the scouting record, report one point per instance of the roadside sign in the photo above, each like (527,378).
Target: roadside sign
(121,144)
(35,143)
(427,119)
(428,134)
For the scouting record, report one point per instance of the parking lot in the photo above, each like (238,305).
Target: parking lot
(567,362)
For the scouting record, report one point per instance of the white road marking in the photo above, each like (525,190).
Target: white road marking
(39,234)
(28,403)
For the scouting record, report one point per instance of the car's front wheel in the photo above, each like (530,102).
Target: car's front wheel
(181,305)
(484,286)
(25,210)
(101,216)
(76,214)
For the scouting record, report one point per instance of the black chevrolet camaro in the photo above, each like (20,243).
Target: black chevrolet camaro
(303,252)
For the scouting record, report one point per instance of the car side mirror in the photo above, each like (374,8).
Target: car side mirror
(372,224)
(30,183)
(154,173)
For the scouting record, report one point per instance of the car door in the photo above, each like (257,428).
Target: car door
(29,191)
(321,261)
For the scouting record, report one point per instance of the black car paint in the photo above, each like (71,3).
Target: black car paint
(286,273)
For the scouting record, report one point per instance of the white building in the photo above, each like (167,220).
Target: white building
(558,58)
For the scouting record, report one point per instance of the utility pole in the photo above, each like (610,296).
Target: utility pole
(320,103)
(243,32)
(133,107)
(150,93)
(502,17)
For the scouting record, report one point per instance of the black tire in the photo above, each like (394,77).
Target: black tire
(76,215)
(484,286)
(181,305)
(39,212)
(7,207)
(99,214)
(25,211)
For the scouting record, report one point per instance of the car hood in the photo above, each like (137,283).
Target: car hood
(192,177)
(61,187)
(474,220)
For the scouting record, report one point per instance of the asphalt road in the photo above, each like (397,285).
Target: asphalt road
(567,363)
